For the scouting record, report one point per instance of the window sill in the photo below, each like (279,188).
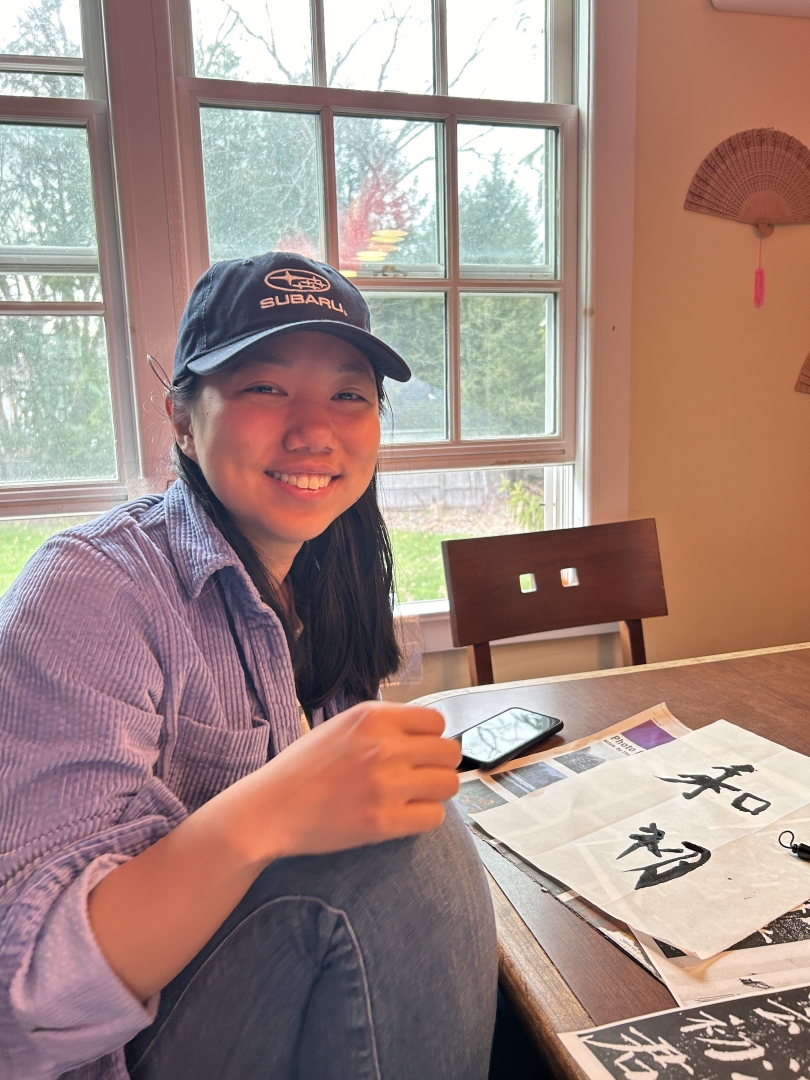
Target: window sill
(434,624)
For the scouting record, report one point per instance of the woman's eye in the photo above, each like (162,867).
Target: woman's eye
(349,395)
(262,389)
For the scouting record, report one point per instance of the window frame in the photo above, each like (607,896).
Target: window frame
(91,114)
(194,93)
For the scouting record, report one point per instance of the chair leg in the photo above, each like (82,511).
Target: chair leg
(632,639)
(479,658)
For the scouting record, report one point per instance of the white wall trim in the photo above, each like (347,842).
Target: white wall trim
(606,80)
(434,627)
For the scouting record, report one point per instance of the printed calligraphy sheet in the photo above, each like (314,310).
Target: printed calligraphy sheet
(680,842)
(763,1037)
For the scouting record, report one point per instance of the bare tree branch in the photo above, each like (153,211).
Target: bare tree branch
(340,59)
(475,53)
(270,45)
(399,20)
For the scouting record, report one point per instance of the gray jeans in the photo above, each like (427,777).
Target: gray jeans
(372,964)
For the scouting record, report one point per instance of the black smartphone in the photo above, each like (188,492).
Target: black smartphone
(505,735)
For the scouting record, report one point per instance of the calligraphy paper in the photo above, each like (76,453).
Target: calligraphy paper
(679,842)
(772,958)
(751,1038)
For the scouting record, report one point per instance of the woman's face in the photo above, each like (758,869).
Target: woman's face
(287,439)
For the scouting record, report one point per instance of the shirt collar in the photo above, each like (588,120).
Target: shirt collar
(198,547)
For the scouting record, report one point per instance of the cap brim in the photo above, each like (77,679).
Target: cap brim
(382,357)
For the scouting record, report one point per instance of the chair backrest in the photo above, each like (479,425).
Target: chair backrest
(506,586)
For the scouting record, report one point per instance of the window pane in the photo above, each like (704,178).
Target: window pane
(46,195)
(387,206)
(262,182)
(379,46)
(413,324)
(260,42)
(41,28)
(497,51)
(55,410)
(20,538)
(506,366)
(423,508)
(31,84)
(42,287)
(506,202)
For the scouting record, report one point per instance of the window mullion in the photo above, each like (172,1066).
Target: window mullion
(440,47)
(329,184)
(319,73)
(451,257)
(95,80)
(560,52)
(109,258)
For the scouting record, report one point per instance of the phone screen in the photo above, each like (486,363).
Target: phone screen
(497,738)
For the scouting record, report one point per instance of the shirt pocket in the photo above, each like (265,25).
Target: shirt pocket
(206,759)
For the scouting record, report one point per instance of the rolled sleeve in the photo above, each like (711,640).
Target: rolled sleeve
(69,1001)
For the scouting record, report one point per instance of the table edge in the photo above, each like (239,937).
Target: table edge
(443,695)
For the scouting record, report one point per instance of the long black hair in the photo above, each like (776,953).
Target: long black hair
(342,586)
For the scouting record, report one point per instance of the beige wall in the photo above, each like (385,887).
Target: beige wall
(720,442)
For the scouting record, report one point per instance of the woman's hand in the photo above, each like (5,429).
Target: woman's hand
(375,772)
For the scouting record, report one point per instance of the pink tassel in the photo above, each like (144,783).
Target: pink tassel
(759,280)
(759,286)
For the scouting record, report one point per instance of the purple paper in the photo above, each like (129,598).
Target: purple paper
(648,735)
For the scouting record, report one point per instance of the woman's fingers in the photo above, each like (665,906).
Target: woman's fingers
(410,719)
(428,783)
(428,750)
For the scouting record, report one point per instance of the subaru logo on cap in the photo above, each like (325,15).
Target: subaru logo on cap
(288,280)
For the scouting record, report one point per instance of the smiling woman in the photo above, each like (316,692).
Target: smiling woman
(287,439)
(252,870)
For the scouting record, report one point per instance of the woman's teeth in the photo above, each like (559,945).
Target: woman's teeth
(303,480)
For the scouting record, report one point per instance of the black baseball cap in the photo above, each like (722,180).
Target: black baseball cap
(242,301)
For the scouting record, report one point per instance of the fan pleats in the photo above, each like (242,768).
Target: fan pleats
(754,176)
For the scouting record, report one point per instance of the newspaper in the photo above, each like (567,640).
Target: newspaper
(764,1035)
(773,958)
(481,790)
(665,840)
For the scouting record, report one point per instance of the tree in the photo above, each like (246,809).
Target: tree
(55,408)
(497,224)
(42,32)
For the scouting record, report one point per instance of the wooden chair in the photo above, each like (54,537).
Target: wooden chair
(505,586)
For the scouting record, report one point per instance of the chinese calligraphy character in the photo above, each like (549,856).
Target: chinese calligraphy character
(687,857)
(649,837)
(633,1050)
(651,875)
(738,803)
(719,1048)
(702,783)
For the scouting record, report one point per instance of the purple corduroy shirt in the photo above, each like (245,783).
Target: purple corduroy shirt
(124,707)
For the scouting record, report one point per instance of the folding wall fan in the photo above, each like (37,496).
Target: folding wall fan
(760,177)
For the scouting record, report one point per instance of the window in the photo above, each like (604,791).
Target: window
(66,432)
(428,150)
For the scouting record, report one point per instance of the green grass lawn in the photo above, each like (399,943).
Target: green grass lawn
(418,556)
(20,539)
(418,562)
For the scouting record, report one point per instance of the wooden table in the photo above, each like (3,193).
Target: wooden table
(559,972)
